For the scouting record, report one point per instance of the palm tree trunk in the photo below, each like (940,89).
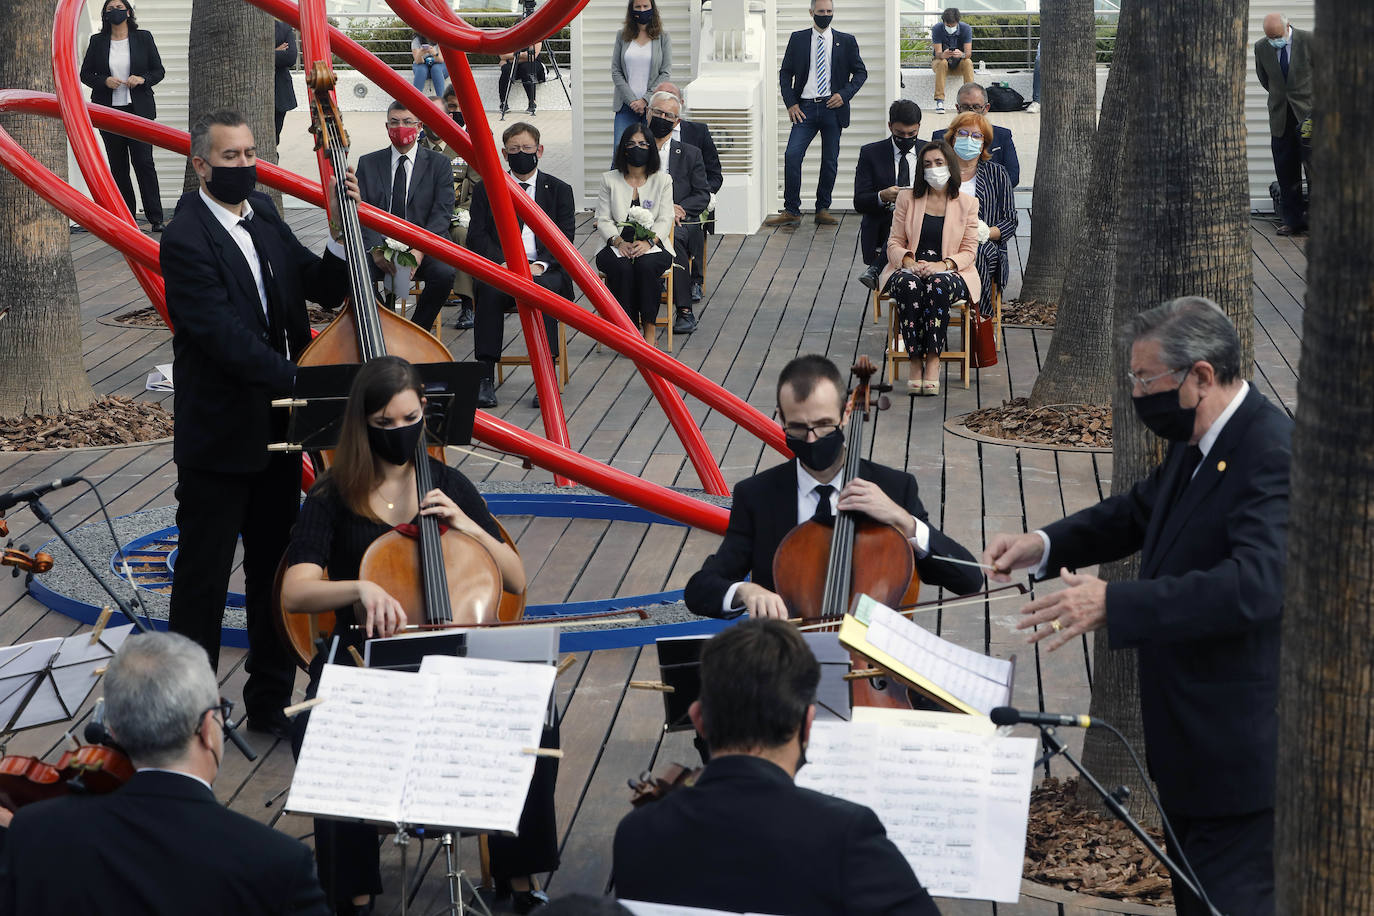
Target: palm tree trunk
(40,329)
(1326,702)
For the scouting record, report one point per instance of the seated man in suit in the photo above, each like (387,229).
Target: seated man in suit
(884,168)
(161,845)
(698,134)
(813,412)
(767,845)
(1206,613)
(691,196)
(522,150)
(973,97)
(415,184)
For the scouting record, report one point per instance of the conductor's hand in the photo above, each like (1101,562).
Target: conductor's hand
(760,602)
(1013,551)
(1080,608)
(795,113)
(438,504)
(385,616)
(867,497)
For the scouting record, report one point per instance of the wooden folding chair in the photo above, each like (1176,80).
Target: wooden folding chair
(896,344)
(523,359)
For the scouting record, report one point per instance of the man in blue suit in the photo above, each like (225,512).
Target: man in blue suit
(820,73)
(972,97)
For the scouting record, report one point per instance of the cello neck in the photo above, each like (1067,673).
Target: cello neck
(438,608)
(839,575)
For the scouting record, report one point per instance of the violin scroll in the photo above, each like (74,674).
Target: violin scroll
(20,559)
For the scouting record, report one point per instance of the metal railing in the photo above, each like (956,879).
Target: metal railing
(388,37)
(1002,39)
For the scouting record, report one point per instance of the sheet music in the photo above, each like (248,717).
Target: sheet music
(643,908)
(954,804)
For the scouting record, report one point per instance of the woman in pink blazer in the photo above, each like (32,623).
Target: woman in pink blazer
(930,260)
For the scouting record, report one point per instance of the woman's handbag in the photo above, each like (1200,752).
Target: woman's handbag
(983,343)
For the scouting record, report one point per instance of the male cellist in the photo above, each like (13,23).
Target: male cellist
(813,412)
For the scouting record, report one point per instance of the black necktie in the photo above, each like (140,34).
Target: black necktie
(823,513)
(1192,456)
(275,325)
(1283,60)
(525,186)
(903,171)
(398,189)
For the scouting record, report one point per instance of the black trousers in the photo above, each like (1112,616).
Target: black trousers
(634,282)
(688,242)
(121,151)
(527,71)
(489,316)
(699,256)
(1290,154)
(1233,858)
(281,119)
(213,510)
(438,279)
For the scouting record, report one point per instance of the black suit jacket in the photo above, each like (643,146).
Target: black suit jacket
(553,196)
(1205,612)
(691,191)
(144,61)
(429,198)
(1003,152)
(285,92)
(698,134)
(765,510)
(745,838)
(847,70)
(225,367)
(875,171)
(160,846)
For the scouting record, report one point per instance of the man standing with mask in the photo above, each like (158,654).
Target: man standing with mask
(813,412)
(821,71)
(522,150)
(691,195)
(884,168)
(1283,63)
(236,285)
(1211,527)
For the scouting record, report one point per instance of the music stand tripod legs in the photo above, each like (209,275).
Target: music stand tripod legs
(459,883)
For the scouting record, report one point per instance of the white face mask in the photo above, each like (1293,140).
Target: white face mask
(937,177)
(951,29)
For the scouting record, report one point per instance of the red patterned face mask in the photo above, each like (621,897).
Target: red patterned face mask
(402,137)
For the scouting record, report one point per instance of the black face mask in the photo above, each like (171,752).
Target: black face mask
(637,156)
(818,455)
(660,127)
(395,445)
(522,163)
(116,17)
(822,22)
(904,144)
(1164,416)
(232,183)
(457,117)
(643,17)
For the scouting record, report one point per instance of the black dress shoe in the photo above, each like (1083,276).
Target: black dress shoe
(155,227)
(685,322)
(696,292)
(869,278)
(270,722)
(527,901)
(464,321)
(486,393)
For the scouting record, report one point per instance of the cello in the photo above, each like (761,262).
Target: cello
(819,569)
(362,331)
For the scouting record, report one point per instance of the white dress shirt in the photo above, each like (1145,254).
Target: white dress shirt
(119,69)
(663,160)
(809,91)
(230,221)
(526,233)
(410,170)
(807,501)
(178,773)
(1204,445)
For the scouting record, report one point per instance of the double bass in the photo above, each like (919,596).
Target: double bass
(448,574)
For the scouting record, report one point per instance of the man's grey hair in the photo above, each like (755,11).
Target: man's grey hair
(658,98)
(156,690)
(1189,329)
(970,88)
(396,105)
(200,131)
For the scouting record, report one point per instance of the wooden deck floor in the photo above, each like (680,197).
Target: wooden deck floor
(770,297)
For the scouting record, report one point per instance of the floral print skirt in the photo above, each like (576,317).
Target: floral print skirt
(923,308)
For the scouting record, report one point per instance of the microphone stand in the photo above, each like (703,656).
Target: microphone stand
(44,516)
(1056,746)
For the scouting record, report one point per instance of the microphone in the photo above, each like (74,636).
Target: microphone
(1010,715)
(96,732)
(231,732)
(15,497)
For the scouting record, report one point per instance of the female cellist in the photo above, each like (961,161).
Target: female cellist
(369,489)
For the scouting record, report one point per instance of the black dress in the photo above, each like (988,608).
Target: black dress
(923,302)
(636,283)
(331,535)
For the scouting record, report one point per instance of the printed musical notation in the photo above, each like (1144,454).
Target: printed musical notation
(955,804)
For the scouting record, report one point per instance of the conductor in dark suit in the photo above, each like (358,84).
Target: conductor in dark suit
(974,98)
(523,151)
(285,58)
(884,168)
(236,288)
(161,845)
(1211,526)
(415,184)
(691,196)
(821,71)
(766,845)
(813,413)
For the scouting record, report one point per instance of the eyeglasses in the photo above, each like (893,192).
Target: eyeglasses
(224,707)
(409,122)
(965,132)
(1132,379)
(802,431)
(636,144)
(527,148)
(970,106)
(660,113)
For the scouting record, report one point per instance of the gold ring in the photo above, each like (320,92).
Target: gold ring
(1056,626)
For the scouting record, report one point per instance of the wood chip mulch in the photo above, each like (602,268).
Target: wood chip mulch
(147,317)
(1036,312)
(1064,425)
(1080,849)
(111,420)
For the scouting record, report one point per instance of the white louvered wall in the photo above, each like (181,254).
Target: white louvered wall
(1257,148)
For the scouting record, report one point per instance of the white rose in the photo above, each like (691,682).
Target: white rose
(461,218)
(397,246)
(983,232)
(641,216)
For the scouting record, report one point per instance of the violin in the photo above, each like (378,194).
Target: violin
(91,769)
(819,569)
(650,788)
(22,561)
